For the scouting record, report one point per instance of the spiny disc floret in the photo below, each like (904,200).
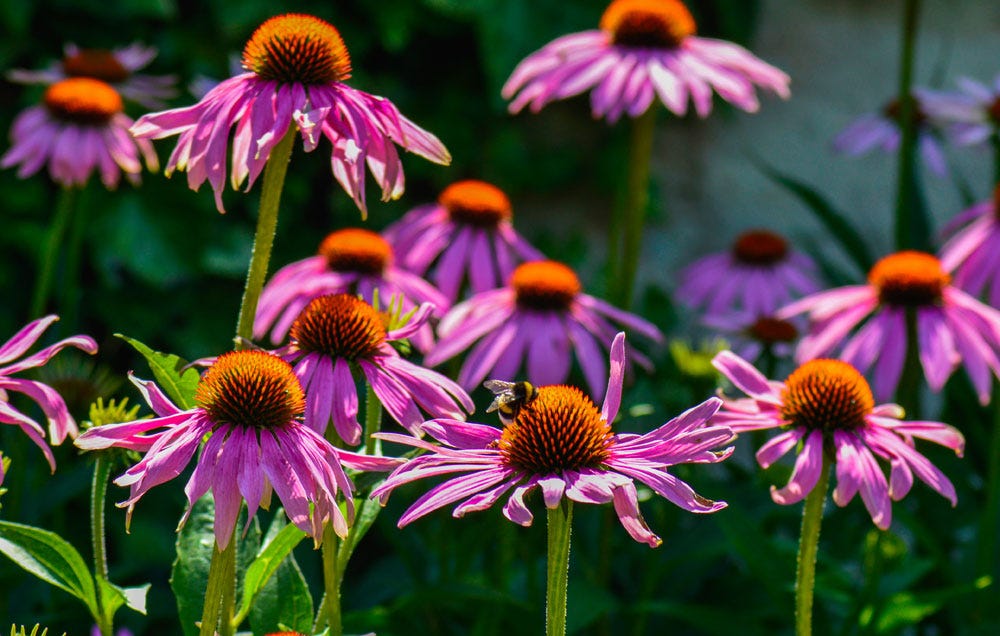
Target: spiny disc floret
(339,326)
(252,389)
(826,395)
(297,49)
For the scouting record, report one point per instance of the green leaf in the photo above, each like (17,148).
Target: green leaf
(49,557)
(268,559)
(112,597)
(195,547)
(840,227)
(281,598)
(168,369)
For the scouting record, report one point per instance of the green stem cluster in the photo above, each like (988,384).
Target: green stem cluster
(98,495)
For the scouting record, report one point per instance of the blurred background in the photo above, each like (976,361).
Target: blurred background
(161,265)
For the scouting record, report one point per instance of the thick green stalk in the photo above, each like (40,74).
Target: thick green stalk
(50,256)
(636,201)
(805,571)
(560,520)
(907,226)
(911,379)
(332,576)
(220,594)
(267,225)
(98,494)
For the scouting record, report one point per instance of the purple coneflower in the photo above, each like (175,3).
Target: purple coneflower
(828,407)
(758,274)
(116,67)
(751,336)
(881,130)
(952,327)
(466,235)
(970,116)
(335,334)
(60,422)
(79,127)
(643,50)
(297,65)
(541,318)
(251,405)
(561,443)
(351,260)
(973,249)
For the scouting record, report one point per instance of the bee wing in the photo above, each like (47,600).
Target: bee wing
(498,386)
(494,405)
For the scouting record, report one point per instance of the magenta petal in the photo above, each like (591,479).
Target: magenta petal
(806,473)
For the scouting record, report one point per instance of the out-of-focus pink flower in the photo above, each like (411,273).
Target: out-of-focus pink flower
(750,336)
(827,404)
(250,404)
(880,130)
(353,261)
(78,128)
(952,327)
(973,249)
(643,50)
(970,116)
(116,67)
(466,236)
(337,333)
(758,274)
(541,318)
(296,68)
(60,422)
(562,444)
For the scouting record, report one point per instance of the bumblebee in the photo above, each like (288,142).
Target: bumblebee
(510,397)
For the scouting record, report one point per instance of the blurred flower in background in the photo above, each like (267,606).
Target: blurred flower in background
(116,67)
(643,50)
(78,128)
(758,274)
(972,252)
(952,327)
(880,130)
(753,335)
(297,65)
(970,115)
(467,236)
(541,318)
(827,406)
(561,443)
(352,260)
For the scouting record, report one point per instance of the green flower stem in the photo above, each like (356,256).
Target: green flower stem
(373,419)
(70,293)
(267,225)
(50,256)
(990,522)
(333,571)
(906,227)
(560,520)
(910,381)
(220,594)
(805,571)
(636,203)
(98,495)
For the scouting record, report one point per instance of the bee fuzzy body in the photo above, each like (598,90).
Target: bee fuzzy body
(509,398)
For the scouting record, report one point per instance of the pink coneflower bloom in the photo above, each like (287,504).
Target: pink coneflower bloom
(251,405)
(466,235)
(973,249)
(60,422)
(541,318)
(970,116)
(643,50)
(952,327)
(297,65)
(881,130)
(116,67)
(337,333)
(758,274)
(354,261)
(78,128)
(750,336)
(827,406)
(560,442)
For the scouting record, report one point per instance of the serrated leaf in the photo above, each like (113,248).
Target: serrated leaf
(268,560)
(848,236)
(171,376)
(49,557)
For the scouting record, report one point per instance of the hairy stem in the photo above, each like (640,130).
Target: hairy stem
(560,521)
(636,202)
(98,495)
(805,571)
(220,594)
